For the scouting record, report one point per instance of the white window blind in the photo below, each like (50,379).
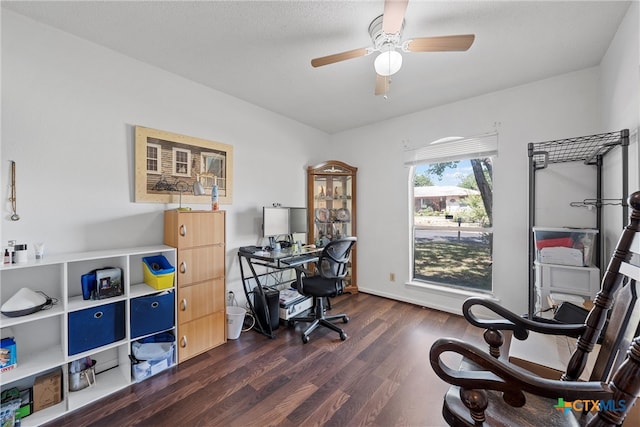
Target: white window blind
(467,148)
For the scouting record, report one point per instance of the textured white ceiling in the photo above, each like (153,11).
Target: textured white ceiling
(260,51)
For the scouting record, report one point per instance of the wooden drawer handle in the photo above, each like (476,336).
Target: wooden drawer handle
(183,230)
(183,267)
(183,304)
(183,341)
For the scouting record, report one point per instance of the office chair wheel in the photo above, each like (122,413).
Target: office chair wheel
(343,336)
(345,319)
(305,339)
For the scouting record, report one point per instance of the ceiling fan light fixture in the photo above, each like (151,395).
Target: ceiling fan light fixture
(388,62)
(386,37)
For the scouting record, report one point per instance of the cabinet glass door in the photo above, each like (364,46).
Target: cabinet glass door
(331,207)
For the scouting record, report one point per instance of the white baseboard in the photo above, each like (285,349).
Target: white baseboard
(438,307)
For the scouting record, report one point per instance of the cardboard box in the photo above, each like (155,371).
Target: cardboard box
(47,390)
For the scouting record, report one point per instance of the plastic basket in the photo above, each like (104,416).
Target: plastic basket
(152,357)
(565,246)
(158,272)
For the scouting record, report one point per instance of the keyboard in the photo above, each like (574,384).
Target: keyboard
(250,249)
(300,259)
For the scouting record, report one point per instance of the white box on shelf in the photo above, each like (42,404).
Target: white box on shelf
(562,256)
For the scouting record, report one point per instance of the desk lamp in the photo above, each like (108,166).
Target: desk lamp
(198,190)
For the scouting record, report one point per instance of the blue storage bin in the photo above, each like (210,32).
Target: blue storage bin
(96,326)
(153,313)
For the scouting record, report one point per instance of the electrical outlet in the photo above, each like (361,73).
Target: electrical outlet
(392,277)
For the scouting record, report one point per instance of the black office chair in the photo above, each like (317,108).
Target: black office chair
(326,281)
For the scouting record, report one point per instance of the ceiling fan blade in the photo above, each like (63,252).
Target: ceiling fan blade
(382,84)
(393,15)
(337,57)
(441,44)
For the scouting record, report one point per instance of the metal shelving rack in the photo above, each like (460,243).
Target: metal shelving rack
(587,149)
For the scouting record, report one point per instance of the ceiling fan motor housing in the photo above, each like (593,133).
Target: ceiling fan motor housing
(380,38)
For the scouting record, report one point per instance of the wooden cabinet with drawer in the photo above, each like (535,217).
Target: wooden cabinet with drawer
(199,237)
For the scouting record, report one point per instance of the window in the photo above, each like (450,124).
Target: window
(153,158)
(181,162)
(452,213)
(213,167)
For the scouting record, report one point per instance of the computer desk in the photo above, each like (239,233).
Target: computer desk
(273,261)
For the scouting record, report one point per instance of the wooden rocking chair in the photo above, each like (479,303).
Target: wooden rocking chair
(489,390)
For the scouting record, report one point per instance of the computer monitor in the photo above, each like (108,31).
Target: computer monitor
(283,222)
(275,221)
(297,220)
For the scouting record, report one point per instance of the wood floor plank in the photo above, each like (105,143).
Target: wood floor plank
(224,412)
(379,376)
(339,378)
(359,393)
(321,412)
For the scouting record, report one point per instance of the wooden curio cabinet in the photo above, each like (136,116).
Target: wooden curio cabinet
(331,203)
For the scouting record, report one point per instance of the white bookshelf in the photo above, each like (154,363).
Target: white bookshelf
(42,338)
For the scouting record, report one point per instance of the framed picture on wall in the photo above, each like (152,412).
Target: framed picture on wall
(169,164)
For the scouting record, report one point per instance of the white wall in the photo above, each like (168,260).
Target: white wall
(68,111)
(580,103)
(620,89)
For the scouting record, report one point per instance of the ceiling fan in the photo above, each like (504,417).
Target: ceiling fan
(386,35)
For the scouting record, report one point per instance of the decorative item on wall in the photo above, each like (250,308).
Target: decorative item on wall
(12,199)
(169,164)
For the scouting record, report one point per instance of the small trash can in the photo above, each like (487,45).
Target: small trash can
(235,319)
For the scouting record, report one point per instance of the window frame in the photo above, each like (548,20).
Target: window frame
(175,163)
(158,159)
(445,150)
(219,157)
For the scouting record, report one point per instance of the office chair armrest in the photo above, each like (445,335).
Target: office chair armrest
(300,273)
(485,372)
(514,322)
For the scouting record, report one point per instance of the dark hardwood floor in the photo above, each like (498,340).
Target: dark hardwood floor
(379,376)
